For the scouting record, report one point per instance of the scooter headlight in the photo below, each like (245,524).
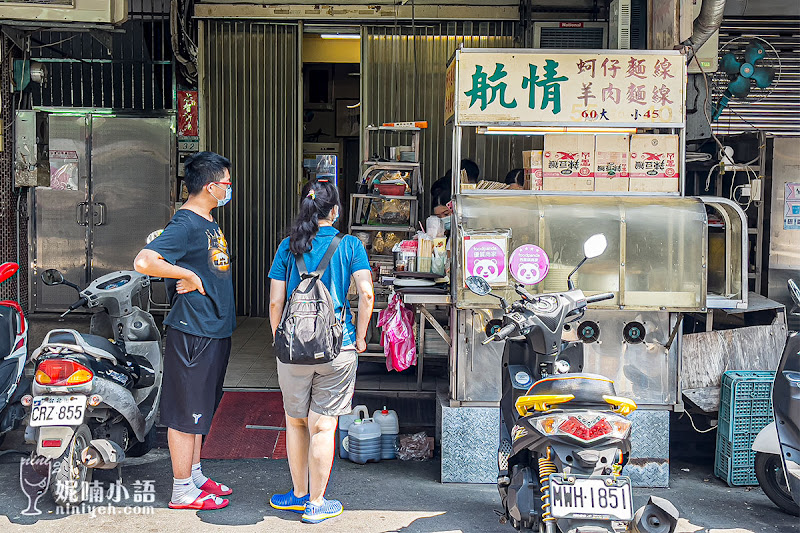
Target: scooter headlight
(585,427)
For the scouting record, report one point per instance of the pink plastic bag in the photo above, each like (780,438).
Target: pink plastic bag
(397,337)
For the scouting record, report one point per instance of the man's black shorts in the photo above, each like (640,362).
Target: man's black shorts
(194,370)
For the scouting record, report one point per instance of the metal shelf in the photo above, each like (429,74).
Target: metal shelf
(385,197)
(742,168)
(401,164)
(406,229)
(391,128)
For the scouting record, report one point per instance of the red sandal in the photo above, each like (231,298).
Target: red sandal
(218,489)
(204,502)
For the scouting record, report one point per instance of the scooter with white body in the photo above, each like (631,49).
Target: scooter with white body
(777,446)
(95,396)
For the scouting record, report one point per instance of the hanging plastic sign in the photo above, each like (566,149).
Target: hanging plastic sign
(64,170)
(598,88)
(529,264)
(485,256)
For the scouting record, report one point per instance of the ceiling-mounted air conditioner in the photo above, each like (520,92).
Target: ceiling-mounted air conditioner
(61,11)
(570,34)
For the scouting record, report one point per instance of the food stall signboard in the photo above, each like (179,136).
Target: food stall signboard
(600,88)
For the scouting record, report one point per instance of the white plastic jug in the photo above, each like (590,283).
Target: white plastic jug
(364,441)
(390,428)
(345,421)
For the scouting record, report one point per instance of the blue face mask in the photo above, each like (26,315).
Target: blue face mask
(446,221)
(227,198)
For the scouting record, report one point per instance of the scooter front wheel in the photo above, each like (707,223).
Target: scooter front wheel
(769,472)
(72,474)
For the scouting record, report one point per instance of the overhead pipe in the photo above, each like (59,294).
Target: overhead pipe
(706,23)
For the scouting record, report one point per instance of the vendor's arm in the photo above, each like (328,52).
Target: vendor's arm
(277,300)
(366,300)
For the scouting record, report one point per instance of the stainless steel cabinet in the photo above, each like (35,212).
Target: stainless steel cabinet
(123,192)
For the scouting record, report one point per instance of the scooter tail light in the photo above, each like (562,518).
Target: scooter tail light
(548,425)
(51,443)
(80,376)
(620,427)
(576,428)
(42,378)
(62,372)
(584,428)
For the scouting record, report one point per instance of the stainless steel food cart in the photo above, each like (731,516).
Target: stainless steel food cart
(657,262)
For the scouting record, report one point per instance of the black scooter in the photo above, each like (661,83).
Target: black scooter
(564,437)
(777,446)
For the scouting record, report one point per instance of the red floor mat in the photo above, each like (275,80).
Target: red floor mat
(229,437)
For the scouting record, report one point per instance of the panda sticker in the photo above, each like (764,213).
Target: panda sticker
(485,256)
(487,269)
(529,264)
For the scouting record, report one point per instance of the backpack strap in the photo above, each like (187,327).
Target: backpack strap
(323,265)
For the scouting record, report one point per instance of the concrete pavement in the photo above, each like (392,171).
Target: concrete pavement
(382,497)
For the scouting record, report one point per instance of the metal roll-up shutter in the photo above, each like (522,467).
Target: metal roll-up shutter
(250,113)
(778,113)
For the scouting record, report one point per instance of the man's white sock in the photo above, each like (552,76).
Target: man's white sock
(197,476)
(184,491)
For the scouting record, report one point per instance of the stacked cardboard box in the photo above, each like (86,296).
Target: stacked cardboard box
(612,153)
(654,165)
(532,164)
(605,163)
(568,163)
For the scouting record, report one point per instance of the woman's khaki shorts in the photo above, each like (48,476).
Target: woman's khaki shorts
(326,388)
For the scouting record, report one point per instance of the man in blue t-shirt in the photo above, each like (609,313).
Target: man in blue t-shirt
(191,254)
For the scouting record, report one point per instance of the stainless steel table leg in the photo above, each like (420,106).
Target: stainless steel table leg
(421,351)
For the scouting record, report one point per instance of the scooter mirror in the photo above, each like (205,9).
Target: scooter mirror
(595,245)
(7,270)
(478,285)
(794,290)
(52,276)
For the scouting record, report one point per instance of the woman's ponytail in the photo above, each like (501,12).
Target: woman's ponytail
(317,200)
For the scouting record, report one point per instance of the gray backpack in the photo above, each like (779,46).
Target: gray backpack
(310,332)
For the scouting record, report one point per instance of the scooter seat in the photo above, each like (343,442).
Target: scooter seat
(588,389)
(92,344)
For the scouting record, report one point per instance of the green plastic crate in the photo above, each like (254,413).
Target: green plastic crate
(745,408)
(745,399)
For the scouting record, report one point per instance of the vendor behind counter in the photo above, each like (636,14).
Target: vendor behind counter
(441,190)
